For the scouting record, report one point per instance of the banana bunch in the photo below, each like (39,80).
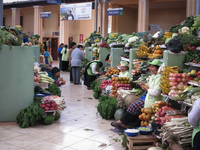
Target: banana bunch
(168,35)
(165,78)
(144,51)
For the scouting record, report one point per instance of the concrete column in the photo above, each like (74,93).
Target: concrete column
(38,21)
(1,13)
(197,7)
(15,16)
(190,8)
(64,32)
(104,25)
(143,15)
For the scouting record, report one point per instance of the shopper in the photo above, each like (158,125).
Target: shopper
(55,74)
(194,120)
(65,58)
(60,55)
(77,57)
(46,55)
(124,69)
(72,47)
(153,94)
(92,70)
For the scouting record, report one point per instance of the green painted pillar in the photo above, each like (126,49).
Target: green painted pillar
(88,53)
(132,56)
(170,59)
(103,52)
(116,56)
(17,80)
(36,51)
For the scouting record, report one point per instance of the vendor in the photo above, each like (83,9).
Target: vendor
(92,70)
(153,86)
(194,120)
(55,74)
(124,69)
(130,119)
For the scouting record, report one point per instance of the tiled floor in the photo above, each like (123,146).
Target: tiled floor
(70,132)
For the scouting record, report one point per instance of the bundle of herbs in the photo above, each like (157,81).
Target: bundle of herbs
(54,90)
(95,86)
(107,107)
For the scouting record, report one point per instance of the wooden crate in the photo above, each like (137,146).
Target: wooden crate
(140,142)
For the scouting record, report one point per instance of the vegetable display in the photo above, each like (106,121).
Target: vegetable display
(177,130)
(46,79)
(107,107)
(30,115)
(95,86)
(54,89)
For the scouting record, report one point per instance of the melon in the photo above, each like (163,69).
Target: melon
(119,113)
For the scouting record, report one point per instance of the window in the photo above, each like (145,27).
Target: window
(21,20)
(4,21)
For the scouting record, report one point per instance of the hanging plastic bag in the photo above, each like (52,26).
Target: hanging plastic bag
(174,45)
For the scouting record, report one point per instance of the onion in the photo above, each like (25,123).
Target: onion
(184,79)
(174,88)
(171,74)
(179,79)
(180,86)
(175,75)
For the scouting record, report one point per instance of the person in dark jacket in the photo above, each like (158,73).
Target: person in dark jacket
(55,74)
(60,55)
(91,72)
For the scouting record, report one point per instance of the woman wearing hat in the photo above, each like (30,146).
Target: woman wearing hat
(130,118)
(153,86)
(55,74)
(124,70)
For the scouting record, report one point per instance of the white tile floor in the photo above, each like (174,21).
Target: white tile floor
(69,132)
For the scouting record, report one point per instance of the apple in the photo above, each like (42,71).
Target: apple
(171,74)
(179,75)
(175,83)
(184,79)
(179,79)
(175,75)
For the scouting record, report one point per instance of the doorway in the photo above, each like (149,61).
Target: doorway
(54,48)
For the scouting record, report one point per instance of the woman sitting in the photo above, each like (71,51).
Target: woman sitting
(124,69)
(55,74)
(130,119)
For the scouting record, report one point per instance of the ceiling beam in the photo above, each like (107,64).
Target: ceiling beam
(157,1)
(124,1)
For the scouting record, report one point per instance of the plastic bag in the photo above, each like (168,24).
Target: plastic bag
(175,45)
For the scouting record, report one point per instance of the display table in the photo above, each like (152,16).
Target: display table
(140,142)
(36,51)
(17,80)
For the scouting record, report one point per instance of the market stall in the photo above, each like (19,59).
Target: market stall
(179,83)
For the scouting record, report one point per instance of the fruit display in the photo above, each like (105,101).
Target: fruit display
(165,87)
(168,35)
(144,51)
(96,53)
(119,83)
(158,52)
(149,114)
(105,83)
(112,71)
(178,83)
(194,76)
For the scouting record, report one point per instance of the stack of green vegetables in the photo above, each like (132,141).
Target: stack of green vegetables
(107,107)
(95,86)
(54,90)
(44,78)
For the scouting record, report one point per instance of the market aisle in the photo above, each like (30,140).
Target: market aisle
(79,127)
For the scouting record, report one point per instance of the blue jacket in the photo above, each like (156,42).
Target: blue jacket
(50,74)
